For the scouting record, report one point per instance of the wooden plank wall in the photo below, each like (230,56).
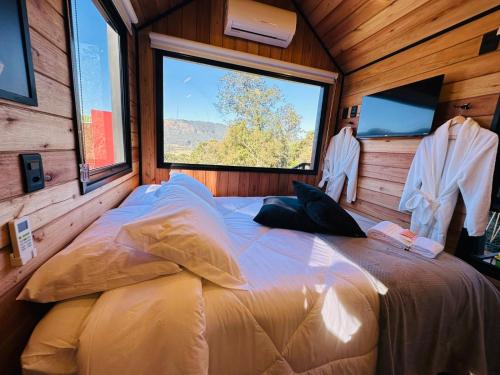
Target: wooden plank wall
(58,212)
(469,78)
(203,21)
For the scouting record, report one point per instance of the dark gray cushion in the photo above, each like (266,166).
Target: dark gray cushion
(285,213)
(325,212)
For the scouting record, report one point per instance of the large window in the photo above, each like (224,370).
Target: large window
(220,116)
(99,66)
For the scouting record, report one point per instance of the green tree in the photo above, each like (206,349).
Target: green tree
(263,130)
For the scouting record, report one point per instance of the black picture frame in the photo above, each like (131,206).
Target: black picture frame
(105,175)
(14,32)
(161,164)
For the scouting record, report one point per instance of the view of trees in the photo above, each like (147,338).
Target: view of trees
(263,130)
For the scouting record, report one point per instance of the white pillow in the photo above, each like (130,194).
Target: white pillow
(53,344)
(189,183)
(94,262)
(142,195)
(152,328)
(184,229)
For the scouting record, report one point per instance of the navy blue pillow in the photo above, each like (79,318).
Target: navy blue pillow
(325,212)
(285,213)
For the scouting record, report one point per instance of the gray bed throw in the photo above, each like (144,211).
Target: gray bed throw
(437,316)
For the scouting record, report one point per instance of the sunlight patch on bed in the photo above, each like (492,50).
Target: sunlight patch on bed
(337,319)
(329,256)
(151,188)
(378,286)
(321,254)
(306,302)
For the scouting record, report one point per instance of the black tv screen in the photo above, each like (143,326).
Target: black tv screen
(400,112)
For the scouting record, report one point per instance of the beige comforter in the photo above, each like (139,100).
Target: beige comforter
(309,310)
(313,308)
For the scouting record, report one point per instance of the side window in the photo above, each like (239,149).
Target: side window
(99,52)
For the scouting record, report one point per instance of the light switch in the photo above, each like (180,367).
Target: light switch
(33,172)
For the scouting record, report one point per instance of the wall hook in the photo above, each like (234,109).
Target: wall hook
(465,106)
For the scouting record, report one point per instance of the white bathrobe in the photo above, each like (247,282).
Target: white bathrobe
(341,161)
(440,169)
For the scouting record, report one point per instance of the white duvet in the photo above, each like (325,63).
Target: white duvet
(309,310)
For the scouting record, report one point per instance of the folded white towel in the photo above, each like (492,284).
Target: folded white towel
(426,247)
(391,234)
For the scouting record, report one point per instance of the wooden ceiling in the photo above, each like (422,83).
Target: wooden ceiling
(359,32)
(147,10)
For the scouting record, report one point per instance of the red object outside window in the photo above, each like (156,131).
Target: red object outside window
(99,142)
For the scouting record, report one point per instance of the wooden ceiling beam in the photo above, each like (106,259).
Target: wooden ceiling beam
(149,11)
(352,22)
(385,17)
(360,32)
(323,9)
(340,13)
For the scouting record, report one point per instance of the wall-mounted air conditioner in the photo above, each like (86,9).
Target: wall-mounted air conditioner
(260,22)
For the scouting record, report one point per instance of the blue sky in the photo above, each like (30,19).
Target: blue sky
(190,91)
(91,30)
(190,88)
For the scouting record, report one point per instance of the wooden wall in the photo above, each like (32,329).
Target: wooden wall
(469,78)
(58,212)
(203,21)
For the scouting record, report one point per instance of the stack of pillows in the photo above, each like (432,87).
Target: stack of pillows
(157,231)
(312,211)
(160,230)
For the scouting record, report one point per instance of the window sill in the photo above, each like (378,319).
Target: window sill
(105,176)
(228,168)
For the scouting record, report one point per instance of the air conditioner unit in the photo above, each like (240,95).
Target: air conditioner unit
(260,22)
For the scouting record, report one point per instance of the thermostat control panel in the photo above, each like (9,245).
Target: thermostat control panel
(23,249)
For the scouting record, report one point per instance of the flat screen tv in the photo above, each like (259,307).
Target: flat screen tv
(403,111)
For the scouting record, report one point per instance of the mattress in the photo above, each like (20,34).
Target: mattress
(309,310)
(318,304)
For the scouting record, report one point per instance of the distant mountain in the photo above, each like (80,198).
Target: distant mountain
(183,135)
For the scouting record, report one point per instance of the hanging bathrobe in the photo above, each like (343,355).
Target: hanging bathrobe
(341,161)
(440,169)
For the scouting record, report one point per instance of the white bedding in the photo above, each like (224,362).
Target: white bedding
(309,310)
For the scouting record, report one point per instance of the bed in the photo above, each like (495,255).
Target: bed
(317,304)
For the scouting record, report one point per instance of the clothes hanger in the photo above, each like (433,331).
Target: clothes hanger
(349,125)
(457,120)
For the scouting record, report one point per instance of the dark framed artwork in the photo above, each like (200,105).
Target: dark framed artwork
(17,79)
